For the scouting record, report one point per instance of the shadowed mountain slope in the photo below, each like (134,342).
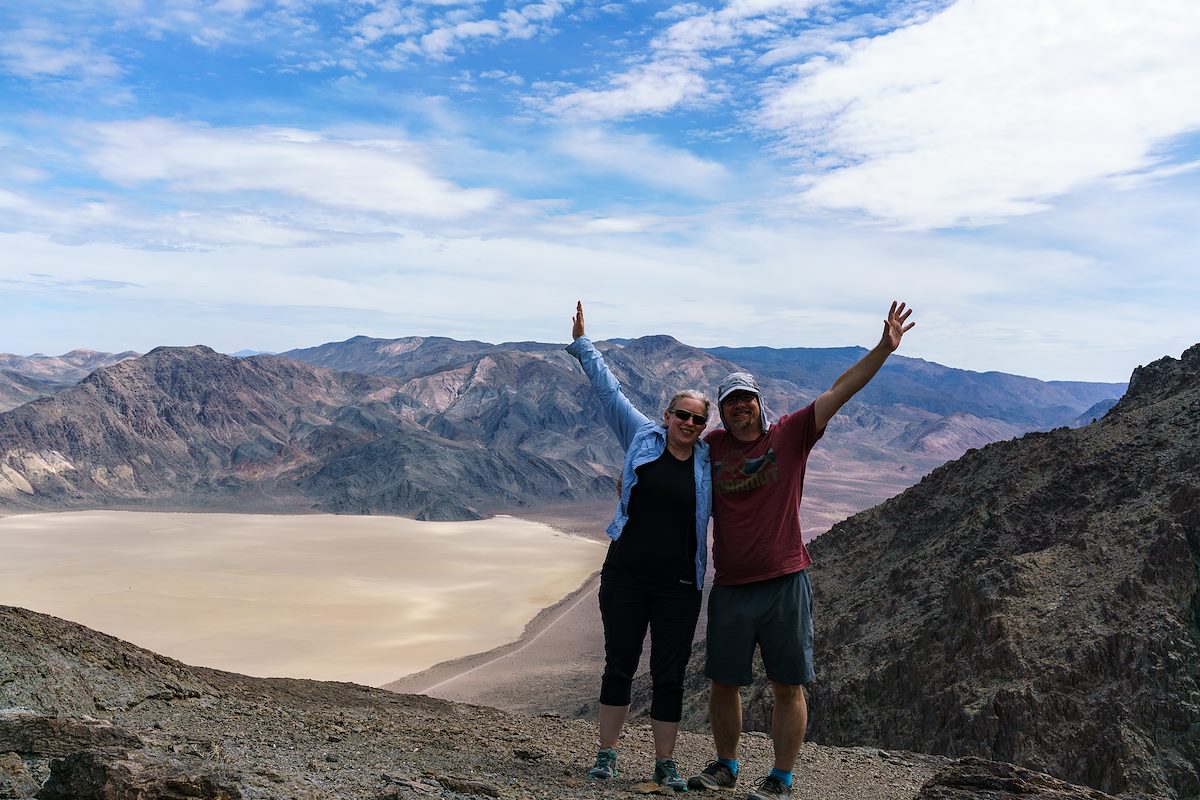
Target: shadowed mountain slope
(179,425)
(1036,601)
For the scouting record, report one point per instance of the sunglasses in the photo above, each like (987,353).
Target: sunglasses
(684,416)
(737,398)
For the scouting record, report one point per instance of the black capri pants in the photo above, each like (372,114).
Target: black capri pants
(629,604)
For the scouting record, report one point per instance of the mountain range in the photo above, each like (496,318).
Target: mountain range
(436,428)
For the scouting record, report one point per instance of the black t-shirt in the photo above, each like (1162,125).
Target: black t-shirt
(658,542)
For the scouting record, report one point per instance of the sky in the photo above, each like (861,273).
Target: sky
(273,174)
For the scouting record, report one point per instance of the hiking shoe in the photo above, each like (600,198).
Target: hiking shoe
(715,776)
(606,765)
(770,788)
(666,773)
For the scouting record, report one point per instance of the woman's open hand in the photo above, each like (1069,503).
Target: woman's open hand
(577,321)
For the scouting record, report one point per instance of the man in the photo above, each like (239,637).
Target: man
(761,596)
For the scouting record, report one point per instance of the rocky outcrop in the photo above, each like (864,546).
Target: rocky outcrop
(97,775)
(979,779)
(1036,601)
(27,733)
(84,758)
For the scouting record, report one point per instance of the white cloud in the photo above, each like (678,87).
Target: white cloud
(502,76)
(979,305)
(381,177)
(674,72)
(113,220)
(454,31)
(641,158)
(731,23)
(645,89)
(39,51)
(578,225)
(992,108)
(389,19)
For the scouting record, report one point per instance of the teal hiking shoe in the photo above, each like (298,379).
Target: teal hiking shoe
(666,773)
(606,765)
(716,776)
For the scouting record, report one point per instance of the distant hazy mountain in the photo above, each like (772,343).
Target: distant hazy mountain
(248,353)
(450,429)
(17,388)
(1035,601)
(404,358)
(1025,402)
(67,368)
(25,378)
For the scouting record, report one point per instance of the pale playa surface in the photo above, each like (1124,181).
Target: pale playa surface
(361,599)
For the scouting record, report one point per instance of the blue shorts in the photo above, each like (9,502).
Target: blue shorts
(774,615)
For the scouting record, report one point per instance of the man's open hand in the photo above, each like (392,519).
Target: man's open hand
(894,327)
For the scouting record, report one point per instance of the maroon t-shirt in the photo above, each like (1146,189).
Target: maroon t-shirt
(757,487)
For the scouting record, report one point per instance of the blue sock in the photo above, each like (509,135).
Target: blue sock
(786,777)
(729,762)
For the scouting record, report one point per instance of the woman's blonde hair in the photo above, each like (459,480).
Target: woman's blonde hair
(692,394)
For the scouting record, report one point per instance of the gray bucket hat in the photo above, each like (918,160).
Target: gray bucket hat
(741,382)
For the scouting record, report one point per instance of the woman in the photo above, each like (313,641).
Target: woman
(654,570)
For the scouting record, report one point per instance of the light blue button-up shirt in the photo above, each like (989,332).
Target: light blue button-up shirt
(644,441)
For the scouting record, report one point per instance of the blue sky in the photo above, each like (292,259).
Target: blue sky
(269,175)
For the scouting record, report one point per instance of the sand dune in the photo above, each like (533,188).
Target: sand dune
(362,599)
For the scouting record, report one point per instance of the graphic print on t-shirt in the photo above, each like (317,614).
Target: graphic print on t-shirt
(736,473)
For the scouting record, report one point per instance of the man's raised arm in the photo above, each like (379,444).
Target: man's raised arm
(858,376)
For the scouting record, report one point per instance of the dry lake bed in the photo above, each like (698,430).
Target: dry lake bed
(363,599)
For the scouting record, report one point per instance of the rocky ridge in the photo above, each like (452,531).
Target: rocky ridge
(1036,601)
(87,717)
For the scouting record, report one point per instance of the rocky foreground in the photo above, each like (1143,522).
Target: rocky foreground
(84,715)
